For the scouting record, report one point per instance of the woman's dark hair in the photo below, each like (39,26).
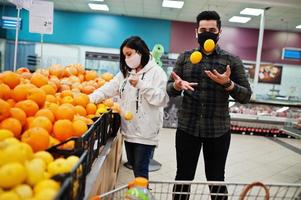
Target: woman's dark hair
(140,46)
(209,15)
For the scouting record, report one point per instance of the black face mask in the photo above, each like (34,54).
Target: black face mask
(202,37)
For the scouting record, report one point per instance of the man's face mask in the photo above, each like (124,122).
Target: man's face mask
(204,35)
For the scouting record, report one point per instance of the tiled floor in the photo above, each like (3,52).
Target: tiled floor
(250,158)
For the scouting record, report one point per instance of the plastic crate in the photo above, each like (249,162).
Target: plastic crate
(112,125)
(73,184)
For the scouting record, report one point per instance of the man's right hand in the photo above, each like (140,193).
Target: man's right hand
(180,84)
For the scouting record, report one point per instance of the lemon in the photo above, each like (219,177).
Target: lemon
(196,57)
(46,194)
(209,45)
(45,156)
(4,133)
(128,116)
(24,191)
(101,110)
(58,166)
(16,152)
(72,161)
(47,183)
(12,174)
(10,195)
(35,171)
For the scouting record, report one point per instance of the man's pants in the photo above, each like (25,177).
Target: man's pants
(138,156)
(215,152)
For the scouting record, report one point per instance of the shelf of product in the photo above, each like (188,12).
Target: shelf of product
(48,126)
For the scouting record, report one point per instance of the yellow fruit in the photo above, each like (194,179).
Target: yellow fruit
(53,141)
(11,175)
(109,102)
(10,195)
(196,57)
(101,110)
(4,133)
(46,194)
(58,166)
(72,161)
(47,175)
(19,152)
(47,183)
(209,45)
(45,156)
(67,99)
(128,116)
(101,105)
(116,108)
(1,191)
(35,171)
(24,191)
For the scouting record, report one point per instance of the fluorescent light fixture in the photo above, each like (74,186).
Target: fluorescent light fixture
(299,26)
(285,108)
(95,6)
(238,19)
(251,11)
(172,4)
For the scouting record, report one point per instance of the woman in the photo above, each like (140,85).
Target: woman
(141,87)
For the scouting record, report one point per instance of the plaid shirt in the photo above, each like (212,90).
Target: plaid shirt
(204,112)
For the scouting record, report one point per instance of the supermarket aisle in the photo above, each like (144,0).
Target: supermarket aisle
(250,158)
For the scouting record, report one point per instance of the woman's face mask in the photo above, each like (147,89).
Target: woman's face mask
(133,61)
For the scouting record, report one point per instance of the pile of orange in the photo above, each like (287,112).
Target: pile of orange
(50,105)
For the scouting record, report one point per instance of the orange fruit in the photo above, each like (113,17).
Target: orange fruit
(56,70)
(49,89)
(11,102)
(5,91)
(108,102)
(44,72)
(26,75)
(28,122)
(66,93)
(20,91)
(28,106)
(53,107)
(81,99)
(4,109)
(46,113)
(55,80)
(91,108)
(128,116)
(42,122)
(80,110)
(39,79)
(22,70)
(69,71)
(11,79)
(67,99)
(63,129)
(84,119)
(100,82)
(12,125)
(51,98)
(79,127)
(64,87)
(64,112)
(90,75)
(80,68)
(18,114)
(107,76)
(37,138)
(37,95)
(88,89)
(81,77)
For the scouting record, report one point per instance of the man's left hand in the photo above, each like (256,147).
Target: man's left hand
(219,78)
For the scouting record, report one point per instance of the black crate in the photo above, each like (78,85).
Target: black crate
(73,184)
(112,125)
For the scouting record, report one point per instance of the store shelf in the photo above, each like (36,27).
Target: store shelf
(257,118)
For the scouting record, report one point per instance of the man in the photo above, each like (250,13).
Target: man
(204,118)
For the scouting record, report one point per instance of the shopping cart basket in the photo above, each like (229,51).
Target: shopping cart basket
(163,190)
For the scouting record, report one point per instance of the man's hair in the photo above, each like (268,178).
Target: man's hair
(209,15)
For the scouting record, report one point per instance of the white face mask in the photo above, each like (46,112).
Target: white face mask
(133,61)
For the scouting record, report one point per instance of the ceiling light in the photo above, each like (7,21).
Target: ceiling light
(239,19)
(97,0)
(251,11)
(103,7)
(299,26)
(172,4)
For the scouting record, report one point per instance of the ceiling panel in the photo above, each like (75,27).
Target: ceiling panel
(283,14)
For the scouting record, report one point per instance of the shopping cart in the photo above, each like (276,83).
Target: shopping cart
(163,190)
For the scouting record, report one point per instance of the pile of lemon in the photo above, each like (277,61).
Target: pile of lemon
(27,175)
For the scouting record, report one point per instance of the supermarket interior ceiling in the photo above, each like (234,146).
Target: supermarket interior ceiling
(280,14)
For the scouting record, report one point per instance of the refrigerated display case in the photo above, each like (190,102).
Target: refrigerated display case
(102,62)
